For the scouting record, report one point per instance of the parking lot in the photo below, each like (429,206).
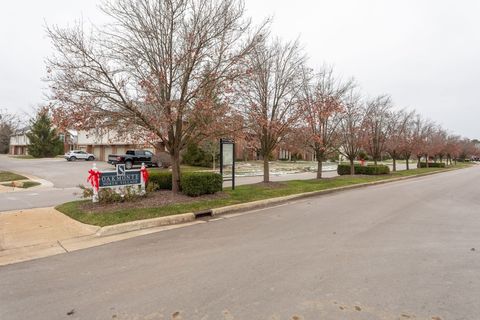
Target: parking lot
(62,173)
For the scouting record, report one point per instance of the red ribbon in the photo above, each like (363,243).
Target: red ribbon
(144,174)
(94,178)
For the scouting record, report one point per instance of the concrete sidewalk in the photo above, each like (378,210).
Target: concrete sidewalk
(37,233)
(26,234)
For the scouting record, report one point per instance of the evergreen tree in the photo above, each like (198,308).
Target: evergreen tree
(44,140)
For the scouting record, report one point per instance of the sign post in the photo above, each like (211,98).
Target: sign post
(227,158)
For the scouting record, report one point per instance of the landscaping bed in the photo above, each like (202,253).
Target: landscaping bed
(6,176)
(124,212)
(21,184)
(13,180)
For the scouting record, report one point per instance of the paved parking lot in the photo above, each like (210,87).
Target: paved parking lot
(62,173)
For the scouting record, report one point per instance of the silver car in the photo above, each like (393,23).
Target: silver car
(79,155)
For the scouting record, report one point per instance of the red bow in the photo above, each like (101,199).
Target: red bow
(94,178)
(144,174)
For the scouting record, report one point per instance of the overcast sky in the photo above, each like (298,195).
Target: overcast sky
(425,53)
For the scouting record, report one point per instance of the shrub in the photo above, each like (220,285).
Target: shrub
(192,183)
(196,156)
(432,165)
(375,170)
(111,195)
(195,184)
(162,180)
(344,169)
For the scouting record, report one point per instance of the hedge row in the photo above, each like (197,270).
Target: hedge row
(432,165)
(193,184)
(344,169)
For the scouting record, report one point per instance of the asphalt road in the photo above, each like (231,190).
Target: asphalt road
(404,250)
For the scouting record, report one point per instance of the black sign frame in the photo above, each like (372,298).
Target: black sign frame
(223,142)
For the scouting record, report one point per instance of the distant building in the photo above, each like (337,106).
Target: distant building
(100,144)
(19,142)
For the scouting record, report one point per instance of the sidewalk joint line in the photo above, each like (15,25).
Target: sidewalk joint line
(60,244)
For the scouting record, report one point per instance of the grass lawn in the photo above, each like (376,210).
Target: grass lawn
(22,157)
(241,194)
(10,176)
(24,185)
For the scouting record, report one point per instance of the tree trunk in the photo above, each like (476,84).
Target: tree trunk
(352,167)
(419,161)
(319,169)
(266,170)
(394,164)
(408,163)
(375,161)
(175,158)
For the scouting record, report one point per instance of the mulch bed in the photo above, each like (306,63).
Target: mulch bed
(152,200)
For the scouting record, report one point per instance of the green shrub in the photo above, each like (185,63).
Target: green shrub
(161,179)
(432,165)
(192,183)
(110,195)
(375,170)
(195,184)
(195,156)
(344,169)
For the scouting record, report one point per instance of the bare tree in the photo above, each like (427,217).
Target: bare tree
(397,131)
(421,131)
(321,101)
(269,94)
(410,137)
(8,124)
(146,70)
(453,148)
(352,131)
(376,125)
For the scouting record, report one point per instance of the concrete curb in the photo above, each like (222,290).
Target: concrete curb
(145,224)
(189,217)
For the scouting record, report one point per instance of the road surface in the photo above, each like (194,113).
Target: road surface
(404,250)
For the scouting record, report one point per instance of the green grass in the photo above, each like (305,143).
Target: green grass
(10,176)
(242,194)
(22,157)
(25,184)
(29,184)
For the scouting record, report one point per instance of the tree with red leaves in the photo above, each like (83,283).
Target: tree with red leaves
(269,93)
(397,132)
(352,130)
(376,124)
(322,105)
(147,71)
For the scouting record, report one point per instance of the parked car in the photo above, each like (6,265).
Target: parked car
(132,158)
(79,155)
